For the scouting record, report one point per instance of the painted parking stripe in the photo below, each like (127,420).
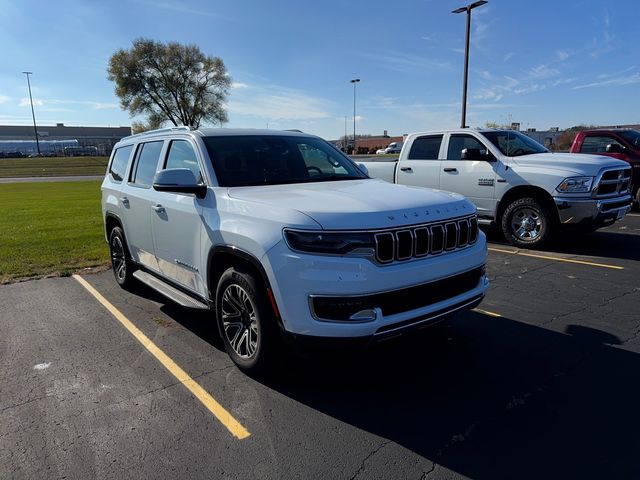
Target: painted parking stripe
(557,259)
(234,427)
(487,312)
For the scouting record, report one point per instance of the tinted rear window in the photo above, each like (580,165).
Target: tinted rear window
(147,163)
(119,163)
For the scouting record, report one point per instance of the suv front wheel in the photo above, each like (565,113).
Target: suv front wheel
(245,322)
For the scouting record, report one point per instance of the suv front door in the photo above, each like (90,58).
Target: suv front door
(473,176)
(177,223)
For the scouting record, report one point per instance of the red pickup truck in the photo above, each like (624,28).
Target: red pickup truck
(620,143)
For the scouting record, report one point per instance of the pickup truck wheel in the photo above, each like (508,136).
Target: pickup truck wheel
(245,322)
(527,223)
(121,262)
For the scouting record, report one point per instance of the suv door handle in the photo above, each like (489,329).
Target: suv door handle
(450,169)
(158,208)
(125,201)
(406,169)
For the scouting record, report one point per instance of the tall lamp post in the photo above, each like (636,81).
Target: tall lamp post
(33,114)
(467,9)
(354,81)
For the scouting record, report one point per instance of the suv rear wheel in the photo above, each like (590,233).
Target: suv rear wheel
(527,223)
(245,322)
(121,262)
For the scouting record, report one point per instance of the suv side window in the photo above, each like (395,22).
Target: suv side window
(457,143)
(182,155)
(119,163)
(146,164)
(598,144)
(425,148)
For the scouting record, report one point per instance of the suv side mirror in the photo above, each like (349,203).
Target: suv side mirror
(614,148)
(363,168)
(178,180)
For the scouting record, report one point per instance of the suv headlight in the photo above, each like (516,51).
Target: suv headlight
(575,185)
(336,243)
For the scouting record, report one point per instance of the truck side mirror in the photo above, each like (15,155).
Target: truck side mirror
(614,148)
(471,154)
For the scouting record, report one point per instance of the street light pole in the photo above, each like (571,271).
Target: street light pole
(354,81)
(467,9)
(33,114)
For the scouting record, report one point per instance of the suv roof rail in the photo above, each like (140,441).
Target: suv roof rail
(160,130)
(293,130)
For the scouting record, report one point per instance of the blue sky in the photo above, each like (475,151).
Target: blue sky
(541,63)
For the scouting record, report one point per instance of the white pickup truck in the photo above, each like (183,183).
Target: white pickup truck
(514,181)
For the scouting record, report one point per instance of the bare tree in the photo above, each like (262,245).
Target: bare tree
(170,82)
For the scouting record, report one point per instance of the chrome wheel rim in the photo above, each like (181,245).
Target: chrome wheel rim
(118,259)
(239,321)
(526,224)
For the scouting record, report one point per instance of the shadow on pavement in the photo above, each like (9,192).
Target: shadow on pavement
(489,398)
(601,243)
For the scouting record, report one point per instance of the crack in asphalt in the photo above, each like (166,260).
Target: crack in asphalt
(371,454)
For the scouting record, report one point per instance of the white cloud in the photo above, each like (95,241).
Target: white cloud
(562,55)
(4,99)
(612,82)
(277,103)
(402,62)
(25,102)
(238,85)
(543,72)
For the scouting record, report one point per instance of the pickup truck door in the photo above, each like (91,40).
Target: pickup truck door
(469,169)
(137,197)
(603,144)
(421,167)
(177,223)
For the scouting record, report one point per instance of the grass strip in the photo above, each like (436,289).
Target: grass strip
(50,228)
(52,166)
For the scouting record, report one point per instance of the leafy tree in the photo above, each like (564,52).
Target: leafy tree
(154,121)
(170,82)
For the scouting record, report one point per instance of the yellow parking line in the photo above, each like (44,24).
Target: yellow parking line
(236,429)
(557,259)
(486,312)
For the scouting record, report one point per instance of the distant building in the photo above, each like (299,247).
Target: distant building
(20,138)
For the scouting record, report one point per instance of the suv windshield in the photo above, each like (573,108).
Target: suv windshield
(631,136)
(514,144)
(246,160)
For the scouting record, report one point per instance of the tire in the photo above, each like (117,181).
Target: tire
(528,223)
(245,321)
(123,266)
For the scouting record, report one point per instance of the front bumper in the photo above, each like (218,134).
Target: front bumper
(297,278)
(597,212)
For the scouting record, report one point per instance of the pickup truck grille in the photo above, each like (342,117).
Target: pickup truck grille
(422,240)
(613,183)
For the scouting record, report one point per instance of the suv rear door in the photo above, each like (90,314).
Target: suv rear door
(137,197)
(177,223)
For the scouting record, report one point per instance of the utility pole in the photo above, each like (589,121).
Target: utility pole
(33,114)
(354,81)
(468,8)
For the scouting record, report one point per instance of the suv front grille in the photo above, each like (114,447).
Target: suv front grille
(419,241)
(613,183)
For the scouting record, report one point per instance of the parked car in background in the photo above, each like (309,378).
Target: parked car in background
(515,182)
(620,143)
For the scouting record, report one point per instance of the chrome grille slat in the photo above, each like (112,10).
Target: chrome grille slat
(614,182)
(418,241)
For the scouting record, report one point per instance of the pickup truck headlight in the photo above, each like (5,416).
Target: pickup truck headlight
(336,243)
(575,185)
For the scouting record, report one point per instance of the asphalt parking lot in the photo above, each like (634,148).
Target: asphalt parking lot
(541,382)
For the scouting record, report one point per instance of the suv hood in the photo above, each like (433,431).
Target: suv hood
(359,204)
(577,163)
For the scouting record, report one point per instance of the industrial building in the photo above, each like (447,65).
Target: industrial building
(58,139)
